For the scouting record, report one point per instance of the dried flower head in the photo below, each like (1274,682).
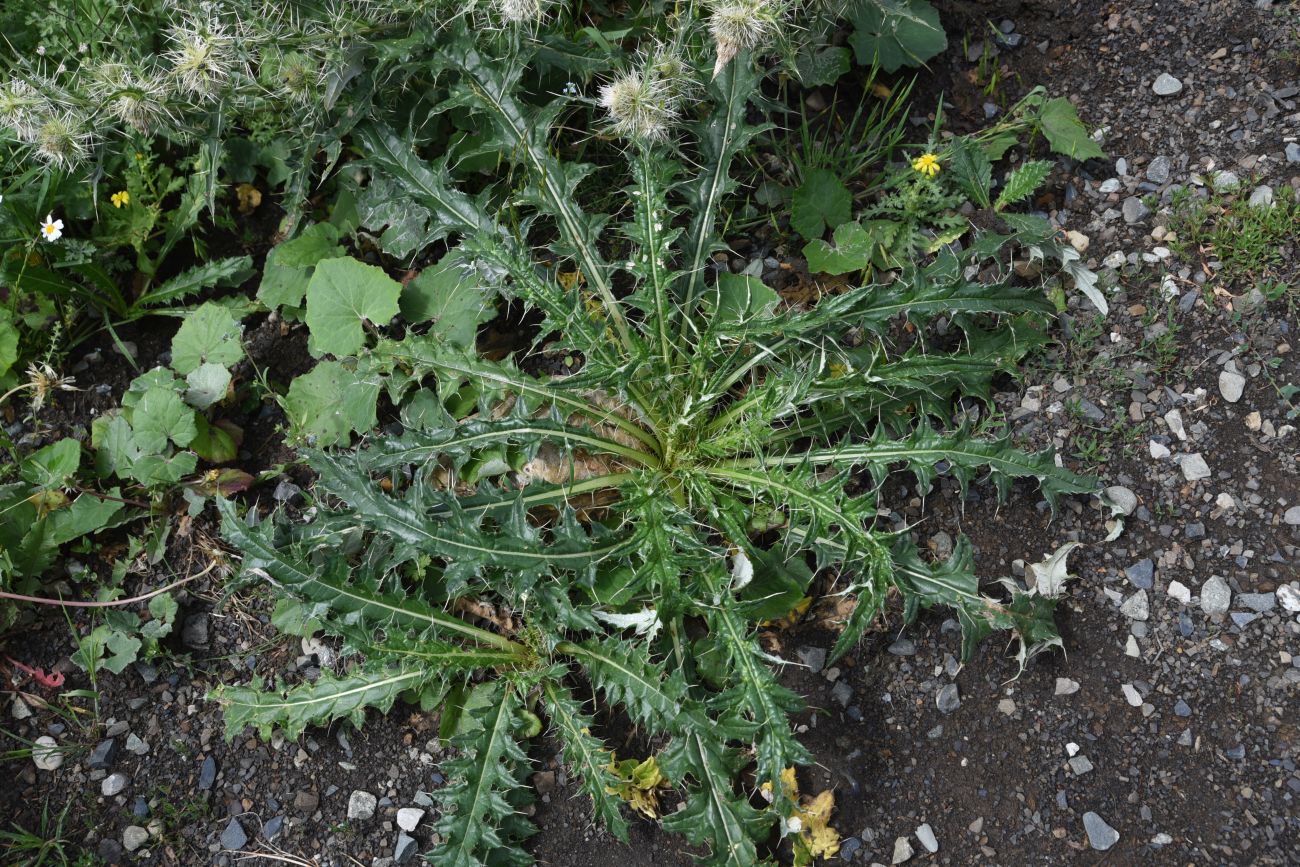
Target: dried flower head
(639,105)
(739,25)
(520,11)
(42,380)
(203,57)
(137,100)
(21,108)
(62,140)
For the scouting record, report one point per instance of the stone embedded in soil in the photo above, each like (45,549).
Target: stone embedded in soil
(103,755)
(234,837)
(1136,607)
(1181,708)
(1159,451)
(1241,619)
(208,774)
(408,818)
(813,657)
(135,745)
(1007,706)
(307,802)
(1134,210)
(1293,153)
(902,851)
(272,828)
(948,699)
(1080,765)
(925,834)
(1216,596)
(1123,498)
(405,849)
(113,784)
(194,634)
(1158,170)
(1258,602)
(1292,516)
(1180,591)
(1194,467)
(1231,385)
(361,805)
(1261,197)
(1174,419)
(1166,85)
(1065,686)
(1289,597)
(133,837)
(1225,181)
(1131,695)
(1100,835)
(19,709)
(902,647)
(1141,574)
(46,754)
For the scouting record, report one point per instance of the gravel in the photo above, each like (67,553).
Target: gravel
(408,818)
(1216,596)
(948,699)
(113,784)
(1136,607)
(234,837)
(1231,385)
(1194,467)
(361,805)
(925,834)
(46,754)
(133,837)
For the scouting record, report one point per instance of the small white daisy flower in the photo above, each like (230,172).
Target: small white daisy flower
(51,229)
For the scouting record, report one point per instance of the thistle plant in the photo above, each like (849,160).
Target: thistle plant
(529,551)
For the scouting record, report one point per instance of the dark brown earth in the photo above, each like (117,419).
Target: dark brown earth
(991,779)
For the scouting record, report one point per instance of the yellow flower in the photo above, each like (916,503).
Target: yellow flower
(926,164)
(120,199)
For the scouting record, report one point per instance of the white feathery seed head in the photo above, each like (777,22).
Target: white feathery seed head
(520,11)
(139,101)
(62,140)
(203,56)
(639,105)
(21,108)
(740,25)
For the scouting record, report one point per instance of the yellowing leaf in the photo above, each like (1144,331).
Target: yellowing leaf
(640,784)
(809,823)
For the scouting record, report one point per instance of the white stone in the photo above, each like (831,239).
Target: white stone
(1078,240)
(1194,467)
(1289,598)
(902,851)
(1166,85)
(19,708)
(1159,451)
(113,784)
(46,753)
(1261,197)
(1174,419)
(1007,706)
(1136,607)
(133,837)
(1131,695)
(1071,749)
(1066,686)
(1225,502)
(1180,591)
(1115,260)
(1131,648)
(925,834)
(408,818)
(1216,596)
(361,805)
(1254,421)
(1124,499)
(1292,516)
(1231,385)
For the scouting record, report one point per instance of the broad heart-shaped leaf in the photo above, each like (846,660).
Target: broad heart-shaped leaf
(821,66)
(895,33)
(1065,132)
(854,250)
(821,202)
(456,302)
(289,265)
(343,294)
(331,402)
(51,467)
(161,415)
(209,335)
(207,384)
(740,298)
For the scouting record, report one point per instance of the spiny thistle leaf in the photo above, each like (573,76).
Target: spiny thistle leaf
(586,756)
(714,814)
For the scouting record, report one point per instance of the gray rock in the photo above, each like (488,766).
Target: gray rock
(194,634)
(1194,467)
(234,837)
(925,834)
(813,657)
(1110,185)
(133,837)
(902,851)
(272,829)
(135,745)
(408,818)
(406,848)
(1080,765)
(1258,602)
(1134,210)
(1141,574)
(1136,607)
(103,755)
(113,784)
(1182,709)
(1261,197)
(1242,619)
(1289,598)
(1124,499)
(1180,591)
(1225,181)
(903,647)
(1166,85)
(208,774)
(1231,385)
(1100,835)
(1131,695)
(1216,596)
(1293,153)
(361,805)
(1292,516)
(842,692)
(1065,686)
(1158,170)
(948,699)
